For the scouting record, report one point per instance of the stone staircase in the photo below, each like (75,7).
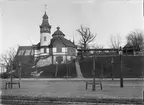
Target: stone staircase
(36,74)
(78,70)
(41,62)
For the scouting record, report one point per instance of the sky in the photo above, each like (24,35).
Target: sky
(20,19)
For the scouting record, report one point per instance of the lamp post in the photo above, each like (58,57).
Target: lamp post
(56,68)
(112,62)
(67,66)
(93,72)
(20,71)
(121,71)
(102,66)
(11,74)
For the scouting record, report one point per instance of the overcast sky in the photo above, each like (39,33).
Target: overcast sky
(20,19)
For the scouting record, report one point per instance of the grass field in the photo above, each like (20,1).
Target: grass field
(73,88)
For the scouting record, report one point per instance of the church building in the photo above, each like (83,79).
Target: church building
(53,48)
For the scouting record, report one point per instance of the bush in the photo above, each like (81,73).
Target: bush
(4,75)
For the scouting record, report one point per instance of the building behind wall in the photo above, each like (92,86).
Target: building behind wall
(129,49)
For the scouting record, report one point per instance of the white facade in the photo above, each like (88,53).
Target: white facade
(45,39)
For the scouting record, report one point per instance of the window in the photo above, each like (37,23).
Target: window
(21,52)
(32,52)
(42,50)
(44,38)
(54,49)
(27,52)
(64,49)
(36,52)
(47,50)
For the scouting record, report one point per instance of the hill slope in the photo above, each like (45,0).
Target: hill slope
(131,66)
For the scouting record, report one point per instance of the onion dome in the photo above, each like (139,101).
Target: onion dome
(58,33)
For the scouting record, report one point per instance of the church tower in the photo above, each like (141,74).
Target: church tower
(45,37)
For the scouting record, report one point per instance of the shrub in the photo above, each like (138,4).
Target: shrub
(4,75)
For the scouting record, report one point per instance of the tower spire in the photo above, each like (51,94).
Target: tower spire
(45,26)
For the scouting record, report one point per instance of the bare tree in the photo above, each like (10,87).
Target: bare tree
(135,38)
(86,37)
(115,41)
(8,57)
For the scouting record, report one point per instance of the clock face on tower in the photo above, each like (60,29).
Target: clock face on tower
(45,29)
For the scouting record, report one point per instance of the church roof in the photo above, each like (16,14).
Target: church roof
(58,32)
